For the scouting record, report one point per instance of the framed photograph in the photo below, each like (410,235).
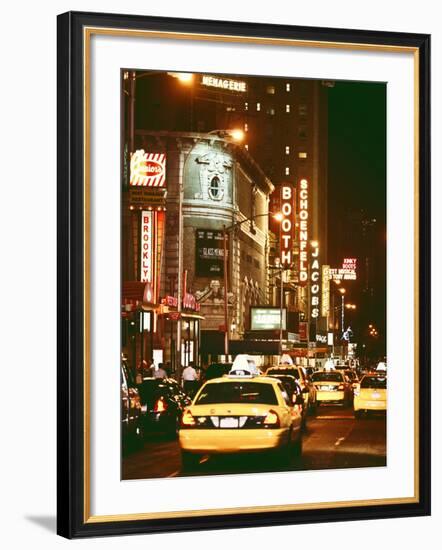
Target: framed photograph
(243,265)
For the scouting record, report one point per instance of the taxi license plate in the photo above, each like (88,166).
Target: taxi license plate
(375,395)
(228,422)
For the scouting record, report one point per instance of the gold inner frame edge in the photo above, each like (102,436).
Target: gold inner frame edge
(87,34)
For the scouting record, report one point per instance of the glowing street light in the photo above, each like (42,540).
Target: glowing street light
(184,78)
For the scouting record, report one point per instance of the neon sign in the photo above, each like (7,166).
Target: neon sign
(303,231)
(345,273)
(147,169)
(314,283)
(287,222)
(224,83)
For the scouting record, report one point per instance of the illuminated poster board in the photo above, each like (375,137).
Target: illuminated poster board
(209,253)
(267,318)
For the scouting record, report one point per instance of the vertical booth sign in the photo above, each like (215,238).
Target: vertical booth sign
(287,223)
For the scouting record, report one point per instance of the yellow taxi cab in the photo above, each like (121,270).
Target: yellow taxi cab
(332,387)
(240,412)
(370,394)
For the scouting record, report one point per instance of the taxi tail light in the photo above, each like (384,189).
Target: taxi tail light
(272,419)
(188,421)
(160,406)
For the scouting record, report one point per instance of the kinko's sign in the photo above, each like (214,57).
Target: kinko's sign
(147,169)
(314,284)
(287,223)
(303,231)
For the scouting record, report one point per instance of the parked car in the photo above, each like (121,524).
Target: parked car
(162,405)
(131,427)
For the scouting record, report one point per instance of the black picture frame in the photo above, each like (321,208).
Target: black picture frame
(73,519)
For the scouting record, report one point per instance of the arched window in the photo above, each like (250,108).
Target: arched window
(215,188)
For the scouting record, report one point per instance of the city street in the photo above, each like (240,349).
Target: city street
(333,439)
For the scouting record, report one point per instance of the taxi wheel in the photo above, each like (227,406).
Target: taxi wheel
(189,461)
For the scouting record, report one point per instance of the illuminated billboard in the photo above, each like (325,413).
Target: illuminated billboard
(267,318)
(347,272)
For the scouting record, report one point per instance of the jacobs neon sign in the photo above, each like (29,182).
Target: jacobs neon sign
(314,283)
(303,231)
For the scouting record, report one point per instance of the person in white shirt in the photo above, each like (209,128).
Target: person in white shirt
(190,379)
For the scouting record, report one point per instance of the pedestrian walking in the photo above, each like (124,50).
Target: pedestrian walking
(190,379)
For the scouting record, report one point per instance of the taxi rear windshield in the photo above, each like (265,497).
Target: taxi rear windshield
(374,382)
(237,392)
(327,377)
(291,372)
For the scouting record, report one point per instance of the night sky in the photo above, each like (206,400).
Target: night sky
(357,187)
(357,145)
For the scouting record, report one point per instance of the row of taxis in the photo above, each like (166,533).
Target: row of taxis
(343,386)
(242,411)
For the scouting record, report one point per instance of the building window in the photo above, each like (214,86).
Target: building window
(287,108)
(287,87)
(271,89)
(249,258)
(215,188)
(246,106)
(246,127)
(302,155)
(287,171)
(287,150)
(256,263)
(271,111)
(246,146)
(258,106)
(302,109)
(302,132)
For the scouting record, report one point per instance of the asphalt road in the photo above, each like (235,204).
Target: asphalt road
(333,439)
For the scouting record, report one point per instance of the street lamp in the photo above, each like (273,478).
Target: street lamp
(342,291)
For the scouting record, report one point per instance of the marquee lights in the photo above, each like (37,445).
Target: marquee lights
(303,231)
